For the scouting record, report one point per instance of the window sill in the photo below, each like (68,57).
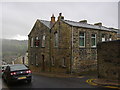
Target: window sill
(93,47)
(64,66)
(81,46)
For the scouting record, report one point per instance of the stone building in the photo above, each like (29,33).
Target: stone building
(109,60)
(66,46)
(21,60)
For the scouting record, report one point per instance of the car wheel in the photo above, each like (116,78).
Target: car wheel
(29,81)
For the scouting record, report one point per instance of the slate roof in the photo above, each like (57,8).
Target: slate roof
(85,25)
(78,24)
(46,23)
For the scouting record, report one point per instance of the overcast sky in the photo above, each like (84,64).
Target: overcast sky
(18,18)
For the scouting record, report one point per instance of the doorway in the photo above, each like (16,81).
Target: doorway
(43,63)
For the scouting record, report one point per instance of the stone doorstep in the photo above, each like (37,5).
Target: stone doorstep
(62,75)
(106,82)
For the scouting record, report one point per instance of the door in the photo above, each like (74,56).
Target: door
(43,63)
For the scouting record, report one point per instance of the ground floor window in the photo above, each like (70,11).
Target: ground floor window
(63,62)
(53,61)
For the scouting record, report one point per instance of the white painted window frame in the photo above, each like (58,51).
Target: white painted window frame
(82,37)
(95,40)
(56,41)
(32,42)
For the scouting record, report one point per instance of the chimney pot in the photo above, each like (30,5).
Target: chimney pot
(52,19)
(83,21)
(60,16)
(98,24)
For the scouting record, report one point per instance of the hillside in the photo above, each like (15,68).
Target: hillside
(12,49)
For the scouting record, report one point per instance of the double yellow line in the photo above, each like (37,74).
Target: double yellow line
(90,81)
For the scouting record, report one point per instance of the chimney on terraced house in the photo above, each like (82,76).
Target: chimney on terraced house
(52,19)
(98,24)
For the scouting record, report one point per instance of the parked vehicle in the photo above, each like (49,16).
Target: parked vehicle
(17,72)
(3,68)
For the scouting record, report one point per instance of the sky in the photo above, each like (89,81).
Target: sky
(18,18)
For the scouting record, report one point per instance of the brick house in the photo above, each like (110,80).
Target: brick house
(66,46)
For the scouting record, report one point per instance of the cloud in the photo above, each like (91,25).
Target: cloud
(20,37)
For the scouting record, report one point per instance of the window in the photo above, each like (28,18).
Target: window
(36,61)
(36,43)
(103,37)
(56,39)
(110,37)
(31,42)
(93,40)
(53,61)
(31,58)
(18,67)
(63,62)
(43,41)
(82,39)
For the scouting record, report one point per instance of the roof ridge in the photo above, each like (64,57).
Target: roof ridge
(43,20)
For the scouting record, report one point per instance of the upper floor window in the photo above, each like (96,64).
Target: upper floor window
(31,43)
(63,62)
(82,39)
(103,37)
(93,40)
(53,61)
(43,41)
(110,37)
(36,43)
(56,39)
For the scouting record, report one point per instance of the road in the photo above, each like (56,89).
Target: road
(51,82)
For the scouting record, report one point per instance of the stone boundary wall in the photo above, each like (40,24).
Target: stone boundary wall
(109,60)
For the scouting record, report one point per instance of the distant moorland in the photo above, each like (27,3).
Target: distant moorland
(12,49)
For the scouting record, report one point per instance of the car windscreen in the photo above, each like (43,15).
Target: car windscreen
(18,67)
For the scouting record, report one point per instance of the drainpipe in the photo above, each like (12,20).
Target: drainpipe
(50,50)
(71,61)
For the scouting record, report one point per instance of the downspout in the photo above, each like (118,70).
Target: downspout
(50,49)
(71,61)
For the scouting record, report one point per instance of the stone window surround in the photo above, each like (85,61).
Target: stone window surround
(63,62)
(82,37)
(43,40)
(103,37)
(56,41)
(52,61)
(36,39)
(110,37)
(32,42)
(94,38)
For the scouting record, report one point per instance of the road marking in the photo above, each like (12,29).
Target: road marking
(112,87)
(89,81)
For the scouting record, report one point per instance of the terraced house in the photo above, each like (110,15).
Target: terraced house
(65,46)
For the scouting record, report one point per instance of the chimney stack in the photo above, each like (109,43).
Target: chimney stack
(98,24)
(52,19)
(60,16)
(83,21)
